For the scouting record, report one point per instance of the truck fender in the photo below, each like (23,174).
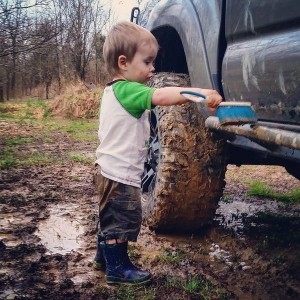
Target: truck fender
(193,24)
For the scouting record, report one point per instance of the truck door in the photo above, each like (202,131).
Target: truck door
(262,59)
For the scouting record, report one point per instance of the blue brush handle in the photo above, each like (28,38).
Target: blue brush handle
(198,97)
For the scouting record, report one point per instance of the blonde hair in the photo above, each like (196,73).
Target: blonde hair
(124,39)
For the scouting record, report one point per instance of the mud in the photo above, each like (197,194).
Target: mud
(47,240)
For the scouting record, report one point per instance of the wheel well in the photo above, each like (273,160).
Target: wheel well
(171,55)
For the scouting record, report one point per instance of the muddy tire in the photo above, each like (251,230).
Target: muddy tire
(184,177)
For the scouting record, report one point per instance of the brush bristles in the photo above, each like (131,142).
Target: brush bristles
(236,115)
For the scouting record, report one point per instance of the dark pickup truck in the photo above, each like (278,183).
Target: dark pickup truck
(249,51)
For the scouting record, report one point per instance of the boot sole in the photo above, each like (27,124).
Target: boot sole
(120,281)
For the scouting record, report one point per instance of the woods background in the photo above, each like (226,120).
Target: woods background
(47,44)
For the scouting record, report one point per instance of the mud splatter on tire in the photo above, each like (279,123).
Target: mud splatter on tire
(190,169)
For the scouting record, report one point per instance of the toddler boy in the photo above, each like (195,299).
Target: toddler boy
(129,53)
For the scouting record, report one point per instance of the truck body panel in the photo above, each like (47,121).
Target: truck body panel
(186,18)
(262,59)
(248,51)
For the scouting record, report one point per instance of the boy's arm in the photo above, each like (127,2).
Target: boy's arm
(171,96)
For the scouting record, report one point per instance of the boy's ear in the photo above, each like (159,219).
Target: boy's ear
(122,62)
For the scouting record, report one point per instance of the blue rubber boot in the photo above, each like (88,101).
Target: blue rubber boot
(119,268)
(99,261)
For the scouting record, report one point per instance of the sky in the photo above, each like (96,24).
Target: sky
(122,9)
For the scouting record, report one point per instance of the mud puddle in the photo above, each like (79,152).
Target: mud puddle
(60,233)
(234,214)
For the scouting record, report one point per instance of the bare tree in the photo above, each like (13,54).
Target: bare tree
(15,25)
(98,41)
(49,41)
(17,36)
(82,20)
(146,7)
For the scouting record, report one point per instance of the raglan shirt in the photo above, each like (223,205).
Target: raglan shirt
(124,131)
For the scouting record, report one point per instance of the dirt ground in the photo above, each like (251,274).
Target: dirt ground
(47,239)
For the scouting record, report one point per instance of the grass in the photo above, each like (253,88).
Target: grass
(194,287)
(80,158)
(19,140)
(35,159)
(8,157)
(80,130)
(260,189)
(6,115)
(85,137)
(69,125)
(36,113)
(198,285)
(170,282)
(172,258)
(28,109)
(8,110)
(37,106)
(126,292)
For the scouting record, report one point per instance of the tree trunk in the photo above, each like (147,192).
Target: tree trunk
(1,94)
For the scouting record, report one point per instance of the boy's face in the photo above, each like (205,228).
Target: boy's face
(141,68)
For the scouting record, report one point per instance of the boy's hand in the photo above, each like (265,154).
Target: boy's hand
(214,98)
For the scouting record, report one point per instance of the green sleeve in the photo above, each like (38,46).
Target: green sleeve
(134,97)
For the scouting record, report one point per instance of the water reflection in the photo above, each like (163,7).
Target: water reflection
(60,232)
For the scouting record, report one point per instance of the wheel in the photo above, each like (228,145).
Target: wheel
(184,174)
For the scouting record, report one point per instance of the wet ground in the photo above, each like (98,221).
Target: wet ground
(47,239)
